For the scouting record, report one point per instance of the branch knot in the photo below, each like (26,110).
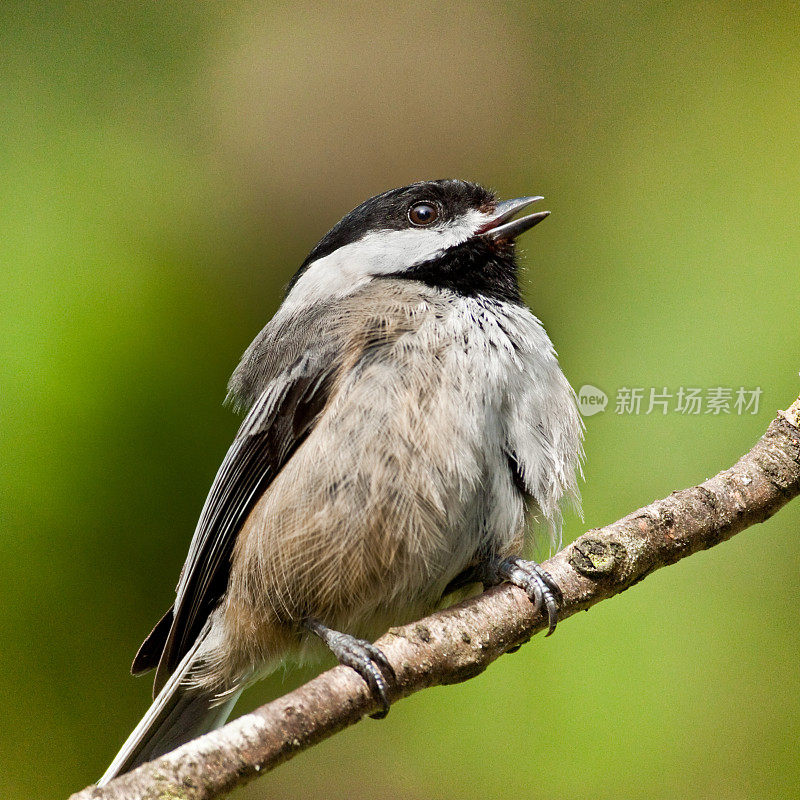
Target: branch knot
(595,558)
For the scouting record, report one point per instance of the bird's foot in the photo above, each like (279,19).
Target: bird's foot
(528,575)
(362,656)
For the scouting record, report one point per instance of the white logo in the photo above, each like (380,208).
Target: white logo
(591,400)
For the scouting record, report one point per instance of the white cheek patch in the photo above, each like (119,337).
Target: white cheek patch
(378,253)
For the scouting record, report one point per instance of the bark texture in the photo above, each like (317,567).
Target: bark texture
(460,642)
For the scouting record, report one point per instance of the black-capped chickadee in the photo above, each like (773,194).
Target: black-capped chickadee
(405,415)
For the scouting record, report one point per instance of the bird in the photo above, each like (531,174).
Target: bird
(408,432)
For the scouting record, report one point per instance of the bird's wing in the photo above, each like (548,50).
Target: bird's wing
(280,419)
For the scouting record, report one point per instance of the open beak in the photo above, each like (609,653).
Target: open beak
(499,228)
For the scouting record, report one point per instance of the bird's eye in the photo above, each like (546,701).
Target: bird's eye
(422,213)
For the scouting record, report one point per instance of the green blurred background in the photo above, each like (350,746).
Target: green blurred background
(165,167)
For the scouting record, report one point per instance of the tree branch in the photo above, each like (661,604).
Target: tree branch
(460,642)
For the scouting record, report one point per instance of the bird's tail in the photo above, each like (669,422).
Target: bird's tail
(179,713)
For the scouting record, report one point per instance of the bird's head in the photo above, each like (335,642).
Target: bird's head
(447,233)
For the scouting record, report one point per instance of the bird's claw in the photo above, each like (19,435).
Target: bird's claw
(370,663)
(535,581)
(362,656)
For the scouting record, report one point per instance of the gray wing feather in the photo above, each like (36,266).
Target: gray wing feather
(279,420)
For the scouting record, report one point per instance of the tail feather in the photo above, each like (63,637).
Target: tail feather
(178,714)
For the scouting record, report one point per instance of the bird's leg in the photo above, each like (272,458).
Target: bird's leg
(528,575)
(362,656)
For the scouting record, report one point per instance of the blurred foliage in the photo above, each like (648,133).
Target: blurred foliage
(164,169)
